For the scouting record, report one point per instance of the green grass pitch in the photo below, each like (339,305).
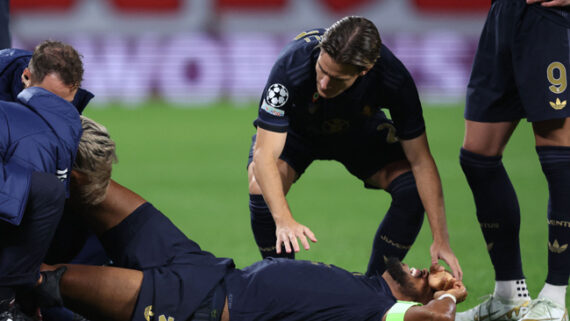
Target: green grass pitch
(190,163)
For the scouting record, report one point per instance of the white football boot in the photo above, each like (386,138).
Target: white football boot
(495,309)
(542,309)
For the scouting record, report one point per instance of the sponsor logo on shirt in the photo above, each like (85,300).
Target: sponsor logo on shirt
(272,110)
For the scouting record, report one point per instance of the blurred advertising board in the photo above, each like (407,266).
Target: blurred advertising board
(197,52)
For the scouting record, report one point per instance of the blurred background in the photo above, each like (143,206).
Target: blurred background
(177,83)
(196,52)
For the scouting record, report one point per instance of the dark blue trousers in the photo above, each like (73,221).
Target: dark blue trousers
(23,247)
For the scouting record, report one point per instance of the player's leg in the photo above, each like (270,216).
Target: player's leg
(492,113)
(375,156)
(495,198)
(553,148)
(545,94)
(100,292)
(262,223)
(23,247)
(403,220)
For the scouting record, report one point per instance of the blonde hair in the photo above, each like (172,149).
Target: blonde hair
(95,158)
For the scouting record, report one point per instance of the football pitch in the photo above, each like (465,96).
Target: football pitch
(191,164)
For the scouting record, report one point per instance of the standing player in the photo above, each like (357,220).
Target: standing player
(520,70)
(38,142)
(322,101)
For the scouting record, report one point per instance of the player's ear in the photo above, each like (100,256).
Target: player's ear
(27,78)
(365,71)
(79,177)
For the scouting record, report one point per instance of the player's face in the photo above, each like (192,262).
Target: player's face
(334,78)
(419,280)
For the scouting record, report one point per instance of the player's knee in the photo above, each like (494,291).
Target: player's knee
(471,161)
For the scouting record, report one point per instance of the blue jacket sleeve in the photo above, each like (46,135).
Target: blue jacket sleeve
(14,181)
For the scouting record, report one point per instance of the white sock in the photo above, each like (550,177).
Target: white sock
(555,293)
(511,290)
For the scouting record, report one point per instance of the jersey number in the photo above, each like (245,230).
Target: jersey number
(391,137)
(556,74)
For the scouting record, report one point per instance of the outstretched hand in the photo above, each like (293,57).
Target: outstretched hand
(287,234)
(441,250)
(550,3)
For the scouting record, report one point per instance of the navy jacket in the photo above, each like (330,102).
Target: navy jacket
(39,132)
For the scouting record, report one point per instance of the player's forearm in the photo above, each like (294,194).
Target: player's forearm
(431,194)
(438,310)
(271,185)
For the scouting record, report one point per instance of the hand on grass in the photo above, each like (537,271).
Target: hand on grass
(288,232)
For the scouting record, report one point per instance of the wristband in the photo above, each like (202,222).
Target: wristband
(448,295)
(398,310)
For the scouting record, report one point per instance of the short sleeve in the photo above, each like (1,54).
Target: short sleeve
(276,100)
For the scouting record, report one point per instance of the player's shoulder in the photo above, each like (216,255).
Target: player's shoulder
(300,54)
(389,70)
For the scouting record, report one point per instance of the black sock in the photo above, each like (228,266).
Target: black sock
(400,226)
(555,163)
(263,227)
(497,211)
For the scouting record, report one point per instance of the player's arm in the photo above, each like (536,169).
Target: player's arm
(441,308)
(429,188)
(266,152)
(550,3)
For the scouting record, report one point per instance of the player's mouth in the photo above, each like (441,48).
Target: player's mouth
(416,273)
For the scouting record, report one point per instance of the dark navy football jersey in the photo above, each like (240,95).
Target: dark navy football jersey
(290,101)
(290,290)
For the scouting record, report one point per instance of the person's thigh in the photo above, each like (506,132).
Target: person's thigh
(488,139)
(492,93)
(374,155)
(554,132)
(296,156)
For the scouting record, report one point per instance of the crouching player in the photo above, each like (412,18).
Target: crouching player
(165,276)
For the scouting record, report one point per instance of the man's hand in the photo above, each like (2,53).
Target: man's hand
(458,291)
(439,279)
(550,3)
(441,250)
(287,233)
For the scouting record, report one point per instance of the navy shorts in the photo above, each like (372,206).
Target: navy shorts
(363,152)
(521,65)
(179,279)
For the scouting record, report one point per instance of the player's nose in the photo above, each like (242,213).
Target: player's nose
(325,82)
